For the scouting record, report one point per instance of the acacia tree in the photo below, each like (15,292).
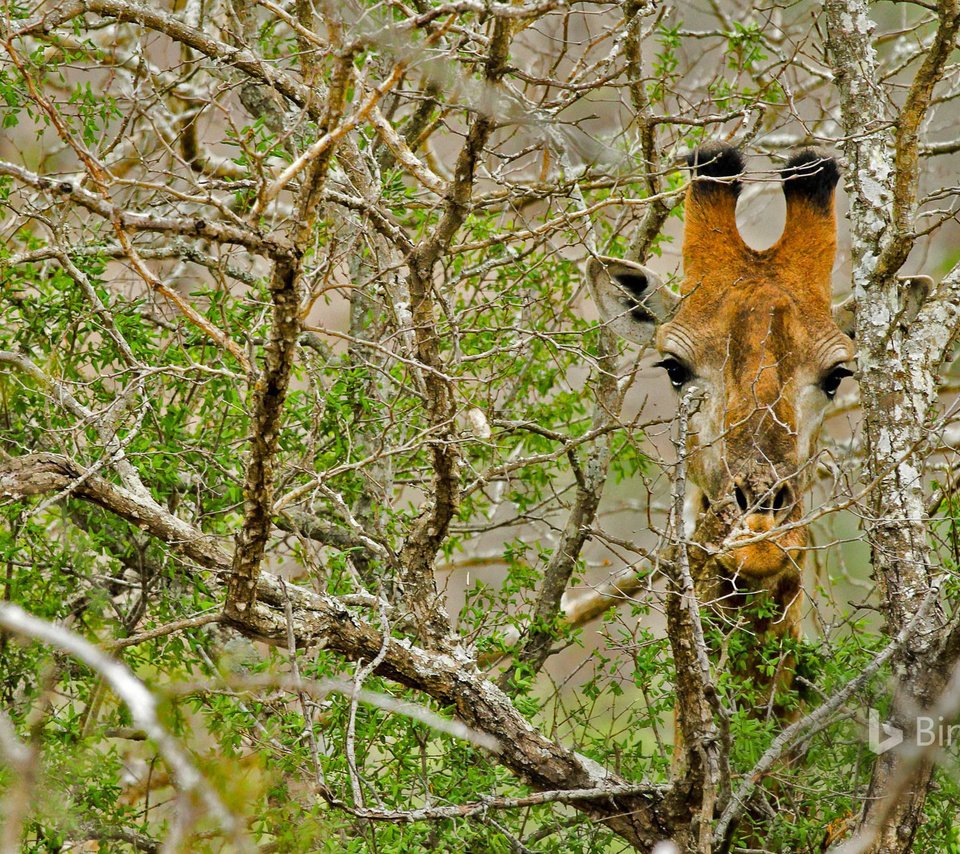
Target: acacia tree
(332,516)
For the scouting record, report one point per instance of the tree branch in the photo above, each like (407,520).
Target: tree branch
(429,531)
(133,221)
(452,679)
(898,384)
(271,390)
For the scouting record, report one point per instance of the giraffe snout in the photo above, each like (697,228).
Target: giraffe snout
(761,503)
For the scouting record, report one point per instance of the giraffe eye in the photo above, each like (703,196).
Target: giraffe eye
(678,372)
(832,379)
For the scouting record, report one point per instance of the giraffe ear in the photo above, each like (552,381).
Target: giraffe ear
(632,299)
(914,291)
(913,294)
(845,315)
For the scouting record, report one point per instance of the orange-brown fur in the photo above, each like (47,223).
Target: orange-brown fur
(753,346)
(756,328)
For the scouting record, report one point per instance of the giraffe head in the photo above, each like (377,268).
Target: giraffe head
(755,334)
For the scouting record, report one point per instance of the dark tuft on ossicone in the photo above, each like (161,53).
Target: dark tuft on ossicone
(720,164)
(811,175)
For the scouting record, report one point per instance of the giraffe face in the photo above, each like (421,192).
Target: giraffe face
(752,337)
(762,372)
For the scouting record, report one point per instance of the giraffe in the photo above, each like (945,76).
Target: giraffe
(753,336)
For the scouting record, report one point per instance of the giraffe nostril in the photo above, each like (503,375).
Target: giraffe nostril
(782,498)
(741,497)
(772,502)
